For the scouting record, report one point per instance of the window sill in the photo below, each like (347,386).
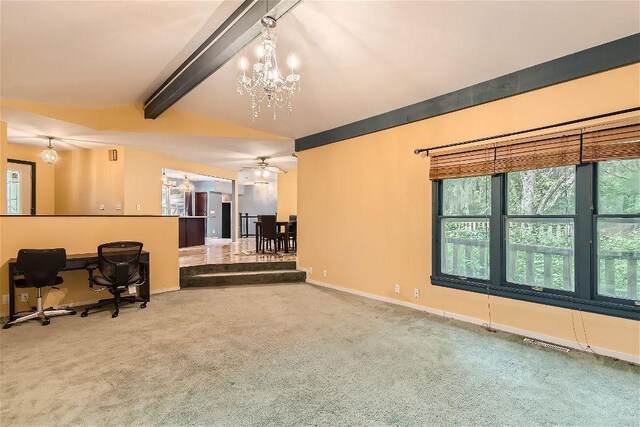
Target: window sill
(571,302)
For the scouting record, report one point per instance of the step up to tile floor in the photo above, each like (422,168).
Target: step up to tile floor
(249,273)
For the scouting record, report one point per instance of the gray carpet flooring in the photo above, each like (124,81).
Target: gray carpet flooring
(297,354)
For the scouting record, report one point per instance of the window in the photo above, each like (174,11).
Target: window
(618,229)
(540,227)
(14,206)
(465,226)
(565,232)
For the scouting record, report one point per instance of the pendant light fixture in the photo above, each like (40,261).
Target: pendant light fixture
(186,185)
(49,155)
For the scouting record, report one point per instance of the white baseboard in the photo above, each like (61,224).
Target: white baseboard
(505,328)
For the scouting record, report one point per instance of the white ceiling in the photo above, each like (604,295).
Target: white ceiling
(230,153)
(358,59)
(362,58)
(99,54)
(194,177)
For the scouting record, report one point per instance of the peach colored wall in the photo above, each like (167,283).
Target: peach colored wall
(45,175)
(4,147)
(287,195)
(86,179)
(143,179)
(365,208)
(83,235)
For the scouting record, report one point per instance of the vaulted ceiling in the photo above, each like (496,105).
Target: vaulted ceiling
(357,58)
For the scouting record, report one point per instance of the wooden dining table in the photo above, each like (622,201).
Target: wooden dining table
(279,226)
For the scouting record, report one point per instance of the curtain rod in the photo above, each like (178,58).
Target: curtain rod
(570,122)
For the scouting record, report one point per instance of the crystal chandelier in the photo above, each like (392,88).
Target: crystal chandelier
(266,83)
(49,155)
(186,185)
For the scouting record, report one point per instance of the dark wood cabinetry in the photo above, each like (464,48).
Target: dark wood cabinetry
(191,231)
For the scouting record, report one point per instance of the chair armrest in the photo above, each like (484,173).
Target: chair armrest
(91,267)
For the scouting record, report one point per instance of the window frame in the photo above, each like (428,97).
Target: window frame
(594,230)
(584,297)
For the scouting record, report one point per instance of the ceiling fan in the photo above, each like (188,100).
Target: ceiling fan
(262,169)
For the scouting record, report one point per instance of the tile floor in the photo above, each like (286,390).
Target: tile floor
(222,251)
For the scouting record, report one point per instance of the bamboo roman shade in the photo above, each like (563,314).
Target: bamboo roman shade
(544,151)
(474,162)
(609,144)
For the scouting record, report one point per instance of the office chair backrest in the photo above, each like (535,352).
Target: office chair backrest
(119,261)
(293,218)
(41,266)
(268,226)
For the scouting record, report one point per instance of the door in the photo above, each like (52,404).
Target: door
(226,221)
(21,188)
(202,204)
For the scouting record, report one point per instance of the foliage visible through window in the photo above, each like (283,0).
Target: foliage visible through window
(13,192)
(618,238)
(540,251)
(549,191)
(465,234)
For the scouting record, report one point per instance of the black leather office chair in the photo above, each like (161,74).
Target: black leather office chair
(40,268)
(119,268)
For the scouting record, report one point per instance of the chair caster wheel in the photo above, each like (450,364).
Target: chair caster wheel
(84,313)
(46,322)
(73,313)
(143,305)
(7,326)
(115,314)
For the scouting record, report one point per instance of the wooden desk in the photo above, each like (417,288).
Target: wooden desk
(80,262)
(279,224)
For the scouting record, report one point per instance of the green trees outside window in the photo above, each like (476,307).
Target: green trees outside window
(566,236)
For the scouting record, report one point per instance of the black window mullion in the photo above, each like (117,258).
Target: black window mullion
(436,203)
(497,264)
(584,231)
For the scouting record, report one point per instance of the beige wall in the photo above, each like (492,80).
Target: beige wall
(287,195)
(83,235)
(45,175)
(365,208)
(143,179)
(86,179)
(3,167)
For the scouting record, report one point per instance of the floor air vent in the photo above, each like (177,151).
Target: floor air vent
(547,345)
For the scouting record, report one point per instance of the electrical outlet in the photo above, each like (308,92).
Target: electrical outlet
(24,297)
(310,270)
(138,207)
(5,299)
(101,206)
(416,293)
(118,207)
(324,273)
(396,288)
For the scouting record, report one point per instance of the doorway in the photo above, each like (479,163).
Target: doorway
(21,187)
(226,220)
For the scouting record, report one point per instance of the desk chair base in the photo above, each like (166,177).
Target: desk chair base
(43,315)
(117,301)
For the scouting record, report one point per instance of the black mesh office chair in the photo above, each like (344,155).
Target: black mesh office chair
(119,268)
(40,268)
